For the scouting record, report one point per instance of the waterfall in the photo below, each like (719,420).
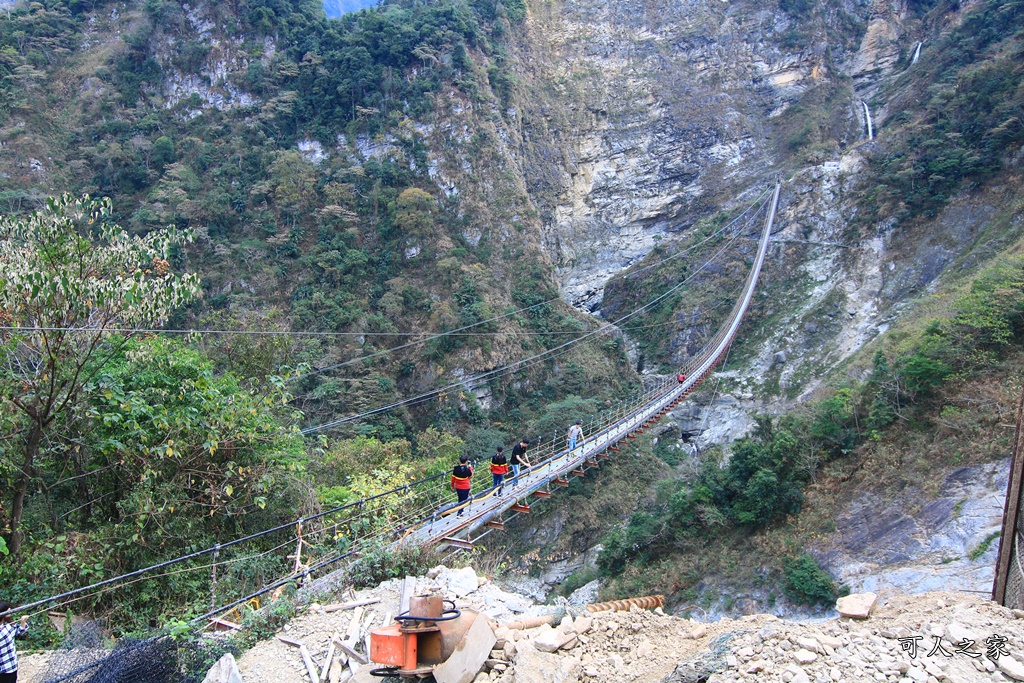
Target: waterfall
(917,53)
(867,118)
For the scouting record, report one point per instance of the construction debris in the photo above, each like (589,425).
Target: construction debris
(642,646)
(646,602)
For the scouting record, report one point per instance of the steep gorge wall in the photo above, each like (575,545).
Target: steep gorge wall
(643,117)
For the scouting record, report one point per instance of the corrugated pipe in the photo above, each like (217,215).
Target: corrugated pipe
(646,602)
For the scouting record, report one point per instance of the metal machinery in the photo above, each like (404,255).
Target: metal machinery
(419,639)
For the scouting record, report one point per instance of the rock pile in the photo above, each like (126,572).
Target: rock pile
(924,638)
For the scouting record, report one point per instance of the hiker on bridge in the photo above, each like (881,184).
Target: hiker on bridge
(681,377)
(576,434)
(519,459)
(462,477)
(8,653)
(499,468)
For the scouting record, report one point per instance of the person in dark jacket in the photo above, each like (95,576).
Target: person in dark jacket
(462,479)
(519,459)
(499,468)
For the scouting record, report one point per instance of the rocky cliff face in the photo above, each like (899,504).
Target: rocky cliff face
(645,118)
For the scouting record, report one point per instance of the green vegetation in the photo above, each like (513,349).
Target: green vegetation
(955,116)
(746,505)
(805,583)
(983,546)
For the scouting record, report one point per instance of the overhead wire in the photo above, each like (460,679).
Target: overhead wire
(527,362)
(121,579)
(367,333)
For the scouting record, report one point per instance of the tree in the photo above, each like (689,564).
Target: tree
(67,278)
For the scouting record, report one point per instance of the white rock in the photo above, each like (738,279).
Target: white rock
(808,643)
(224,671)
(958,633)
(856,606)
(804,656)
(916,673)
(553,640)
(829,641)
(461,582)
(1011,667)
(756,666)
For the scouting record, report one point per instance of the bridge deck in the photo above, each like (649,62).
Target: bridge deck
(447,526)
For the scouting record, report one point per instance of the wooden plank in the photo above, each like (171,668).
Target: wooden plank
(314,675)
(325,670)
(458,542)
(353,626)
(290,641)
(349,650)
(225,623)
(351,605)
(408,588)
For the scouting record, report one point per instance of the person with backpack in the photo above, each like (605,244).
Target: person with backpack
(519,459)
(499,468)
(575,434)
(462,479)
(8,653)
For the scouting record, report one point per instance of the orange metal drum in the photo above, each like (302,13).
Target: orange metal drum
(391,647)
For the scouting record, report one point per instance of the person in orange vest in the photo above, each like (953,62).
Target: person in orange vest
(499,468)
(462,477)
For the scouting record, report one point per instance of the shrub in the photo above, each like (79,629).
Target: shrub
(806,583)
(381,563)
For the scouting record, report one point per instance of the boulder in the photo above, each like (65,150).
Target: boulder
(461,582)
(553,640)
(224,671)
(856,606)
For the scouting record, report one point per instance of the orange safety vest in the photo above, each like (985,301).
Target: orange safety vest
(462,483)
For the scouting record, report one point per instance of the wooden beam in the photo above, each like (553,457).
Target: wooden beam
(350,605)
(408,588)
(225,623)
(350,651)
(458,542)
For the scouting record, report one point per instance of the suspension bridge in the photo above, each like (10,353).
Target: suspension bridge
(417,513)
(491,509)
